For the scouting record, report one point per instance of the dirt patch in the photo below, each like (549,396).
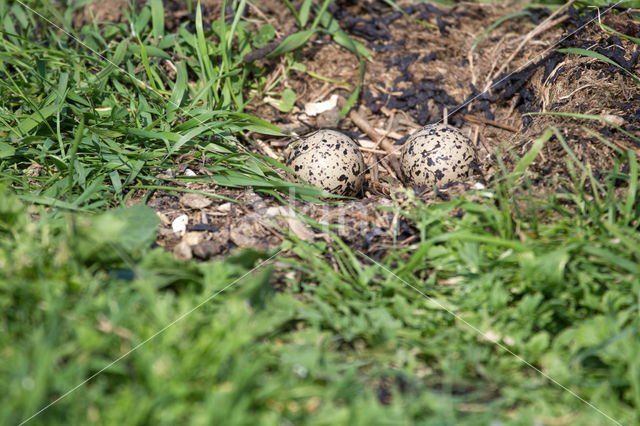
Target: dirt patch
(176,12)
(421,74)
(426,66)
(197,226)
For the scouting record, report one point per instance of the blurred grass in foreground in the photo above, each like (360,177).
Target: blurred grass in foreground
(554,279)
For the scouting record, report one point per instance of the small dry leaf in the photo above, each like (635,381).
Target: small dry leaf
(367,144)
(163,218)
(273,211)
(296,226)
(195,201)
(224,208)
(315,108)
(613,119)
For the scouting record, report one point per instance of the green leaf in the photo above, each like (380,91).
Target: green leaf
(291,43)
(265,34)
(496,25)
(587,117)
(528,158)
(6,150)
(353,46)
(132,228)
(631,199)
(36,118)
(305,9)
(287,100)
(179,90)
(49,201)
(157,19)
(625,36)
(151,51)
(353,98)
(142,20)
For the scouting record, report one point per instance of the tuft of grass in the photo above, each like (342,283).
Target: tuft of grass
(552,278)
(96,113)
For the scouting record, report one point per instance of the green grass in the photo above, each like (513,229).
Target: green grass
(101,112)
(552,278)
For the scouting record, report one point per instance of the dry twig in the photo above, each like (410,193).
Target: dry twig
(480,120)
(379,139)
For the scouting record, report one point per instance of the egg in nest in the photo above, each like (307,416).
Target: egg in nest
(329,160)
(437,154)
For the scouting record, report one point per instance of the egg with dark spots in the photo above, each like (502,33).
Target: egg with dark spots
(329,160)
(437,154)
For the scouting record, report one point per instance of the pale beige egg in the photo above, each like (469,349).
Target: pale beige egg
(329,160)
(437,154)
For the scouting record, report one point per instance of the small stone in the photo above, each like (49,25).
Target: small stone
(192,238)
(182,251)
(179,224)
(207,249)
(242,240)
(225,208)
(616,120)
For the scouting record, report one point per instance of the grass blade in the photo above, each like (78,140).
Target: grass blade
(353,98)
(157,19)
(528,158)
(632,191)
(292,42)
(496,24)
(206,66)
(37,118)
(305,10)
(236,19)
(589,117)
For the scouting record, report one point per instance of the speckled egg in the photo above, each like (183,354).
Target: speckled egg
(329,160)
(437,154)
